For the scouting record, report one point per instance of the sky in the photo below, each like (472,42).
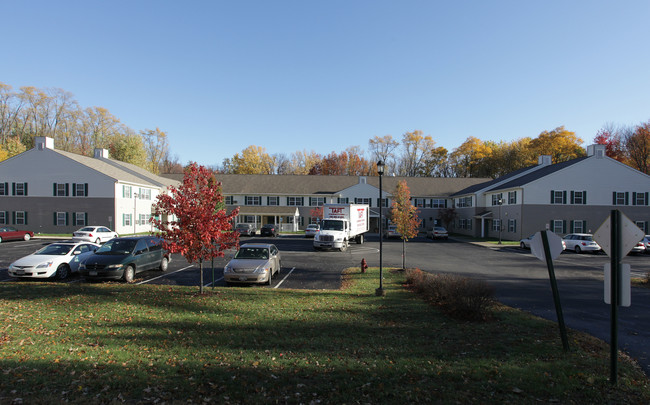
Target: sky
(219,76)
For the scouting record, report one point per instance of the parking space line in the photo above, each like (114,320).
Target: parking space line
(215,281)
(285,277)
(164,275)
(6,279)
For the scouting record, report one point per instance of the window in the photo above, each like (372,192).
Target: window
(465,202)
(126,191)
(640,198)
(228,200)
(20,218)
(343,200)
(61,189)
(558,197)
(496,224)
(642,226)
(363,200)
(80,219)
(578,226)
(252,200)
(4,189)
(20,188)
(143,219)
(60,218)
(512,225)
(438,203)
(558,226)
(512,197)
(497,199)
(250,219)
(126,220)
(620,198)
(294,201)
(80,190)
(3,217)
(144,194)
(383,202)
(579,197)
(316,201)
(273,201)
(419,202)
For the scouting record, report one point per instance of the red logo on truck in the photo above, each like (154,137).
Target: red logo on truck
(361,211)
(334,210)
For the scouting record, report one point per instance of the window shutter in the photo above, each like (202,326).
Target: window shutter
(614,198)
(67,189)
(627,198)
(55,218)
(85,189)
(445,203)
(563,226)
(571,226)
(584,225)
(74,190)
(584,197)
(26,194)
(573,198)
(54,189)
(552,226)
(13,188)
(646,198)
(633,198)
(66,219)
(552,196)
(564,197)
(85,218)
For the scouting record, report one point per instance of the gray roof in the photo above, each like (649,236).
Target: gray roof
(480,186)
(537,174)
(119,170)
(268,184)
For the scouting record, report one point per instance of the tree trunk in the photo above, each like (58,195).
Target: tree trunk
(403,254)
(201,271)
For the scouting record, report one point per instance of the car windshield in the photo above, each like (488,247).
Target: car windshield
(55,250)
(242,226)
(332,225)
(117,247)
(87,229)
(252,253)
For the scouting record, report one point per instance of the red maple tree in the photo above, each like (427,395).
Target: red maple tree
(192,219)
(405,216)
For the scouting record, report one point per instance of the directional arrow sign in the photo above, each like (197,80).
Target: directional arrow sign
(631,234)
(554,244)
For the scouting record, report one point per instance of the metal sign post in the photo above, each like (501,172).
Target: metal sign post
(556,293)
(615,282)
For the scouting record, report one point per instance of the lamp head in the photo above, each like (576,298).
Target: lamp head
(380,167)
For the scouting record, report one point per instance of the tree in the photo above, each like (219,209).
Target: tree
(404,215)
(316,212)
(156,147)
(610,137)
(200,228)
(127,148)
(382,149)
(560,144)
(253,160)
(468,159)
(416,147)
(447,216)
(637,146)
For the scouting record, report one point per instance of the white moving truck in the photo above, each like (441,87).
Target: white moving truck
(341,223)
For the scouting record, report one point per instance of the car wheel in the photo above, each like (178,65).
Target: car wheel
(98,241)
(270,276)
(27,237)
(164,263)
(129,274)
(522,245)
(577,249)
(344,247)
(62,272)
(0,239)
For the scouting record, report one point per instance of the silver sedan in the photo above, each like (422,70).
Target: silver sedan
(253,263)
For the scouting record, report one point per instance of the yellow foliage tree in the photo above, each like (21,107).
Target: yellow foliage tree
(560,144)
(468,160)
(253,160)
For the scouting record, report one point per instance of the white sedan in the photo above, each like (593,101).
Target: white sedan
(51,261)
(97,234)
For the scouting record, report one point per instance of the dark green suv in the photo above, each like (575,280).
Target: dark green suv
(122,258)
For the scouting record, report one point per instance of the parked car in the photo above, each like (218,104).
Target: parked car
(245,229)
(437,232)
(11,233)
(646,242)
(639,248)
(122,258)
(97,234)
(52,260)
(269,230)
(525,242)
(253,263)
(581,242)
(312,230)
(391,232)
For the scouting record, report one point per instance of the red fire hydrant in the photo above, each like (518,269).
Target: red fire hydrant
(364,265)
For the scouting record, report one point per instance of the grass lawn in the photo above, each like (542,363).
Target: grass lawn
(114,343)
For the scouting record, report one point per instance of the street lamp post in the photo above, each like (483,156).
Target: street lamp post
(135,199)
(380,291)
(500,220)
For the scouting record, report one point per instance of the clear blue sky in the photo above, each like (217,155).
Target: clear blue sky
(218,76)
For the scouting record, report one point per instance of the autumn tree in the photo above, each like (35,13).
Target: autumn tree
(383,148)
(562,145)
(404,215)
(415,148)
(252,160)
(637,147)
(127,148)
(156,147)
(610,136)
(199,227)
(435,163)
(468,160)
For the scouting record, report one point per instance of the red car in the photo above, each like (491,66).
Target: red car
(11,233)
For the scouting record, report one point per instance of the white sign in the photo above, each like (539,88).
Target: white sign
(554,244)
(624,290)
(631,235)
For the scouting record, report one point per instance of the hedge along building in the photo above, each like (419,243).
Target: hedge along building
(52,191)
(575,196)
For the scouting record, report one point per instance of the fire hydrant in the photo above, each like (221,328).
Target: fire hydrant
(364,265)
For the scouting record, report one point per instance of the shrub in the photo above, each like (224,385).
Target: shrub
(460,297)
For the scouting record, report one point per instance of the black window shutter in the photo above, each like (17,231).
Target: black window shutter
(614,198)
(563,226)
(25,217)
(26,189)
(445,203)
(627,198)
(552,196)
(74,189)
(13,188)
(564,197)
(85,189)
(67,189)
(584,197)
(85,218)
(633,198)
(646,198)
(55,218)
(584,226)
(571,226)
(54,189)
(67,217)
(572,197)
